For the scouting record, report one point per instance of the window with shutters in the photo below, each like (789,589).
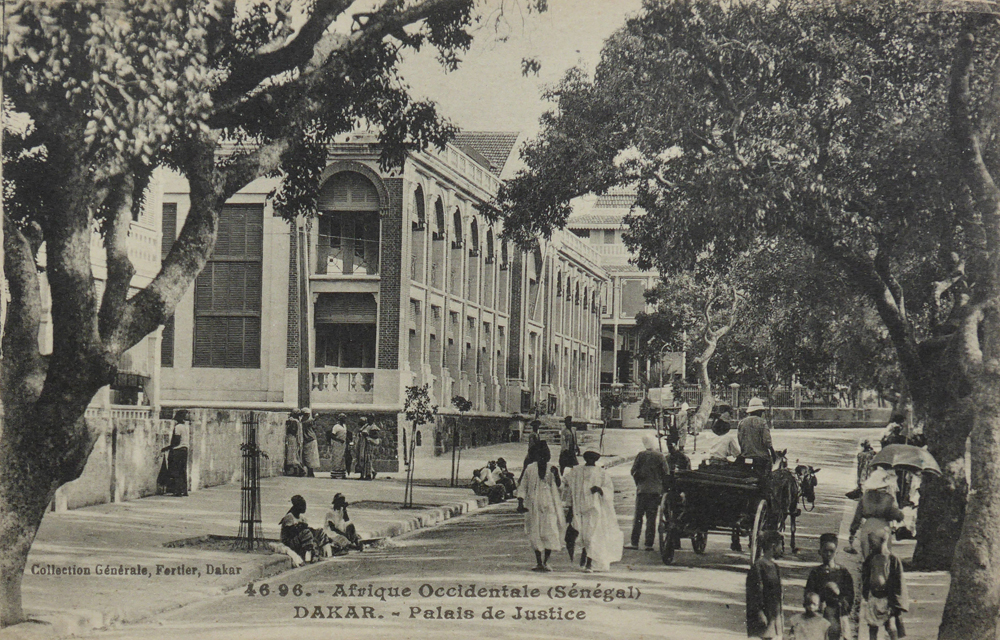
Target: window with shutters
(168,228)
(227,296)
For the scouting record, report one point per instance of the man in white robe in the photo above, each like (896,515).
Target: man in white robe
(544,522)
(588,491)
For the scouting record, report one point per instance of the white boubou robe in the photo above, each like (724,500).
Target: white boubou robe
(594,514)
(544,522)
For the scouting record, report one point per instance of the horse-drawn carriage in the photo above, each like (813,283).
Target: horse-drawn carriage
(733,498)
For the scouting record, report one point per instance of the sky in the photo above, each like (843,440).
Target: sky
(488,91)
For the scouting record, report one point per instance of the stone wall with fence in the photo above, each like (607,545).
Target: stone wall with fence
(127,456)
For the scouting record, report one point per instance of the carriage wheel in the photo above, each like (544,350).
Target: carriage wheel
(666,529)
(699,540)
(758,528)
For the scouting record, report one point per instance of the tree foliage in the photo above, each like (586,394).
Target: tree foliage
(221,92)
(862,131)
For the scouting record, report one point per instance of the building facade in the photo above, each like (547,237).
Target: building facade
(397,281)
(599,222)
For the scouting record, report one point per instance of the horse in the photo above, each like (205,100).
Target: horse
(784,491)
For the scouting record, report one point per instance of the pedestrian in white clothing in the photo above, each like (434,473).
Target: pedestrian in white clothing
(588,491)
(544,522)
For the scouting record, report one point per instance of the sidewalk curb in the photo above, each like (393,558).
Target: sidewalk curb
(80,621)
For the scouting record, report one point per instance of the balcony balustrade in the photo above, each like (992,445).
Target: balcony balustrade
(353,386)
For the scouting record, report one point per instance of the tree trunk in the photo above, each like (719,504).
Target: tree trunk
(700,417)
(972,610)
(30,473)
(942,499)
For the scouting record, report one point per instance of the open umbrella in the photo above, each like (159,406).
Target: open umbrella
(907,456)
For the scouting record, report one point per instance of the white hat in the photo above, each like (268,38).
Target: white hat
(880,478)
(755,404)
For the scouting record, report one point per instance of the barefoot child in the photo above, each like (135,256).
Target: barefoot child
(764,614)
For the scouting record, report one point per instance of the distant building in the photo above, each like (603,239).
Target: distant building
(599,221)
(397,281)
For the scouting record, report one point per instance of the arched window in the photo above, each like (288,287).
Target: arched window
(490,256)
(420,217)
(348,204)
(456,242)
(437,252)
(474,239)
(438,220)
(418,236)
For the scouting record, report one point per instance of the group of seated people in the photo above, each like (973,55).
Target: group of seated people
(494,481)
(335,537)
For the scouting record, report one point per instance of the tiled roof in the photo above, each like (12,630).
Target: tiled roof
(595,220)
(495,146)
(615,201)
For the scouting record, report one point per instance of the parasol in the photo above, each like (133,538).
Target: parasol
(907,456)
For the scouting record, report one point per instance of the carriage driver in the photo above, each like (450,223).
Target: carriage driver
(754,437)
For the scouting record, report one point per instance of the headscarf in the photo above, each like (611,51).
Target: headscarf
(880,478)
(647,441)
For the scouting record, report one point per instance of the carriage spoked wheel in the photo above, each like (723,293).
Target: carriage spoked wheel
(666,529)
(758,528)
(699,540)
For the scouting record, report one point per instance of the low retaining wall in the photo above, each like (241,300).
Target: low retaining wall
(127,455)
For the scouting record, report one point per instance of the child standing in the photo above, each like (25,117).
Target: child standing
(883,589)
(764,615)
(809,625)
(835,587)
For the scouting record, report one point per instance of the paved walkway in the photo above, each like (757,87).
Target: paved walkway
(130,536)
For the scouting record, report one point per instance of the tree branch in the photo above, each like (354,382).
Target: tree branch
(151,307)
(275,58)
(120,204)
(985,193)
(23,367)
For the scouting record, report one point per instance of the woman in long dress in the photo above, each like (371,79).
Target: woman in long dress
(293,446)
(177,454)
(338,448)
(368,440)
(544,522)
(589,492)
(310,444)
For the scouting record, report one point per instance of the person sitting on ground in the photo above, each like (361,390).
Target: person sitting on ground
(485,482)
(835,587)
(296,534)
(809,625)
(338,526)
(506,478)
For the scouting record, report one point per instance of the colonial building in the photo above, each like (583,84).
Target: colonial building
(599,221)
(397,281)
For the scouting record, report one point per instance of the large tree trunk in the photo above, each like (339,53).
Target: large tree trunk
(972,610)
(30,473)
(942,499)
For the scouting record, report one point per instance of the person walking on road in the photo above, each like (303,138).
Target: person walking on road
(883,588)
(765,618)
(835,587)
(876,509)
(754,436)
(569,449)
(544,522)
(338,447)
(589,493)
(310,445)
(649,471)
